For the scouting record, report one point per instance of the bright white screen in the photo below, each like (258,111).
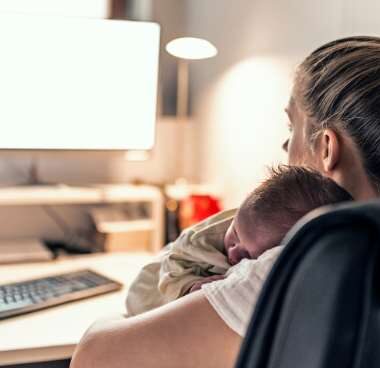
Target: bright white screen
(77,84)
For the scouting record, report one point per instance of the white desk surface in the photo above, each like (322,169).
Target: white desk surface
(52,334)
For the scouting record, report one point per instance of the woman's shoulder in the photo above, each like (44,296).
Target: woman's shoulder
(234,297)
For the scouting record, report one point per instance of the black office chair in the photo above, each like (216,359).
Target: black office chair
(320,306)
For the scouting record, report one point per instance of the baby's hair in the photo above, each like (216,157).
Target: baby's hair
(288,194)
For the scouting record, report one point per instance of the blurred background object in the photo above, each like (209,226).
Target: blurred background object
(188,204)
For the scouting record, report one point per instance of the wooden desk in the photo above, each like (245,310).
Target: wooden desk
(52,334)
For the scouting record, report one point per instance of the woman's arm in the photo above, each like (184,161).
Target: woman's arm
(184,333)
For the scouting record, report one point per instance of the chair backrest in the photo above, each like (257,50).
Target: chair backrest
(320,306)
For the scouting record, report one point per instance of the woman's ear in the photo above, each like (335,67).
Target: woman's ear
(330,150)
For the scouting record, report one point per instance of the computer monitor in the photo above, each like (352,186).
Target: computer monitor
(75,84)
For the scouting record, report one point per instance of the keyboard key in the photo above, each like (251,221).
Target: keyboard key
(32,295)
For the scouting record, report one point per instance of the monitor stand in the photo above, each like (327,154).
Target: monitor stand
(33,178)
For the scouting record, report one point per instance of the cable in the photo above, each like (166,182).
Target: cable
(58,220)
(74,238)
(31,173)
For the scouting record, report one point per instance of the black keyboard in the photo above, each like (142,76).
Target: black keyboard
(32,295)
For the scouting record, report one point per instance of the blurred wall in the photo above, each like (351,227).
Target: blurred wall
(239,96)
(85,168)
(170,14)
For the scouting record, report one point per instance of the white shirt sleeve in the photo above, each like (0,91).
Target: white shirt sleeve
(235,297)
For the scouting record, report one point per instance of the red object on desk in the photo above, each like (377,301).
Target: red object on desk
(196,208)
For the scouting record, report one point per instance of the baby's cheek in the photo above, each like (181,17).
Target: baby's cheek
(244,253)
(256,252)
(252,252)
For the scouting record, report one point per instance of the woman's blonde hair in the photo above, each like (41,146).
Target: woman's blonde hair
(338,86)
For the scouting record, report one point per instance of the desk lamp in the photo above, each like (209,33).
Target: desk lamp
(185,49)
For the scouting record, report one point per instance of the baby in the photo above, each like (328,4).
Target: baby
(205,252)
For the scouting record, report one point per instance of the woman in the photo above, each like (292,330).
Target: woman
(334,114)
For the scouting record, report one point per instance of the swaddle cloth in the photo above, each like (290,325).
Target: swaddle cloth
(195,254)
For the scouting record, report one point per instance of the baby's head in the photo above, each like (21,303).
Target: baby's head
(269,212)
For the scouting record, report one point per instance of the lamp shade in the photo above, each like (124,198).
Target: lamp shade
(191,48)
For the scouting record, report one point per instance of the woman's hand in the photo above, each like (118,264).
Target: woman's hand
(198,285)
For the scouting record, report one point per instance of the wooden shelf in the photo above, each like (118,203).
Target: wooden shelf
(96,194)
(125,226)
(64,194)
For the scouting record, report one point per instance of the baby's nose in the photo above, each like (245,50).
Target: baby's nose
(236,253)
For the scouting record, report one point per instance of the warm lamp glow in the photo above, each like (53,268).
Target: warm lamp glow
(191,48)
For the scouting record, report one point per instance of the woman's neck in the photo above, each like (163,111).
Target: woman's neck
(351,173)
(359,186)
(366,193)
